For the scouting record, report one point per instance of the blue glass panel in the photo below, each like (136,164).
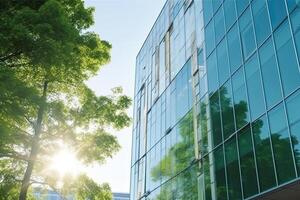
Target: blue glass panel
(220,174)
(223,62)
(292,4)
(234,48)
(254,85)
(207,11)
(240,99)
(241,5)
(209,38)
(295,19)
(293,105)
(248,171)
(281,144)
(226,100)
(263,150)
(270,74)
(215,113)
(247,33)
(232,168)
(212,73)
(261,20)
(219,25)
(287,61)
(277,12)
(230,13)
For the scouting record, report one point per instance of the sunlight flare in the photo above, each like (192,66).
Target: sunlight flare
(65,162)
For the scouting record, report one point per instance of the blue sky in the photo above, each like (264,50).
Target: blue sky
(125,24)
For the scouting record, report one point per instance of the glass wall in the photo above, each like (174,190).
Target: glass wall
(217,95)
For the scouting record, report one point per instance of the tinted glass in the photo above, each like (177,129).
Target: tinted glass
(287,59)
(209,38)
(234,48)
(277,12)
(220,174)
(261,20)
(212,73)
(216,4)
(264,158)
(230,13)
(241,5)
(247,33)
(270,74)
(254,84)
(207,11)
(227,109)
(207,178)
(296,27)
(232,168)
(219,25)
(248,170)
(215,118)
(281,144)
(203,127)
(293,105)
(292,4)
(223,62)
(240,99)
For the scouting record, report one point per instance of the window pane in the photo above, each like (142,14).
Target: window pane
(277,12)
(240,99)
(227,109)
(287,59)
(255,93)
(207,11)
(215,119)
(241,5)
(232,167)
(263,152)
(212,73)
(209,38)
(261,20)
(248,171)
(281,145)
(234,48)
(230,13)
(216,4)
(293,4)
(270,74)
(223,62)
(293,105)
(219,25)
(220,174)
(207,178)
(247,33)
(183,90)
(296,27)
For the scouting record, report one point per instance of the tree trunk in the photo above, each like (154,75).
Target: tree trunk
(35,145)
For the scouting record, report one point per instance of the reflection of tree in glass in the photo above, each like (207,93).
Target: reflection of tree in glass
(178,158)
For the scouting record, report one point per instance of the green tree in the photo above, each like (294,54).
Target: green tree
(46,56)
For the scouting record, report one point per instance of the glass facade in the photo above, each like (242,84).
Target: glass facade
(217,101)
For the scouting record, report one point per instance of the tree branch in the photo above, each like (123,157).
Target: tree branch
(11,55)
(14,155)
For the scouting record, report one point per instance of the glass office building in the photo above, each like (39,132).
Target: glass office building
(217,102)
